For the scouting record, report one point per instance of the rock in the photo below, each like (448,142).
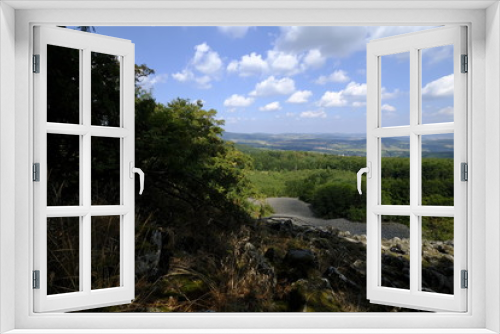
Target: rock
(260,260)
(354,241)
(321,243)
(270,254)
(249,247)
(335,275)
(313,295)
(300,257)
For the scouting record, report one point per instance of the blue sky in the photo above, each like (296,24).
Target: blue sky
(286,79)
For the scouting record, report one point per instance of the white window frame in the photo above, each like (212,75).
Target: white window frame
(125,132)
(413,43)
(16,215)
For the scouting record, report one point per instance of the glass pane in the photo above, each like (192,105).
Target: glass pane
(105,89)
(105,171)
(437,170)
(63,257)
(105,252)
(395,252)
(437,254)
(437,84)
(394,96)
(395,171)
(63,85)
(63,170)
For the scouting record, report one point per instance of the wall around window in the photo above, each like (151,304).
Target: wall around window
(492,161)
(477,125)
(7,166)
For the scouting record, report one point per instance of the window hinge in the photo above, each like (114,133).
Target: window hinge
(465,64)
(465,279)
(36,63)
(36,279)
(464,171)
(36,172)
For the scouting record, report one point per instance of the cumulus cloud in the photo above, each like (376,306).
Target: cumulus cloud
(183,76)
(355,89)
(273,86)
(150,81)
(336,76)
(313,114)
(357,104)
(202,69)
(234,31)
(386,95)
(251,64)
(276,62)
(314,59)
(205,60)
(332,99)
(273,106)
(387,31)
(445,111)
(282,63)
(388,108)
(330,41)
(435,55)
(353,94)
(442,87)
(236,100)
(334,41)
(301,96)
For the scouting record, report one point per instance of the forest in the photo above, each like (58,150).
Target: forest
(201,244)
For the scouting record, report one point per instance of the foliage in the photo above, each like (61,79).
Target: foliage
(190,168)
(328,182)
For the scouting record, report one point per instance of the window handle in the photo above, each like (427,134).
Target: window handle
(134,170)
(368,171)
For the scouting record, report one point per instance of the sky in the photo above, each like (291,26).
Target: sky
(287,79)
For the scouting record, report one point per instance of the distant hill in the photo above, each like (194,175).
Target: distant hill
(340,143)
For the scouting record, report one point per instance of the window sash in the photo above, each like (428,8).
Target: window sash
(85,298)
(413,297)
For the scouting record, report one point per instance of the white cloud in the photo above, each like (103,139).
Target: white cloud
(445,111)
(355,89)
(332,99)
(442,87)
(205,60)
(290,114)
(314,59)
(202,69)
(273,86)
(338,41)
(251,64)
(282,63)
(330,41)
(203,81)
(236,100)
(150,81)
(354,93)
(276,63)
(183,76)
(389,95)
(234,31)
(313,114)
(337,76)
(273,106)
(386,31)
(300,96)
(435,55)
(357,104)
(388,108)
